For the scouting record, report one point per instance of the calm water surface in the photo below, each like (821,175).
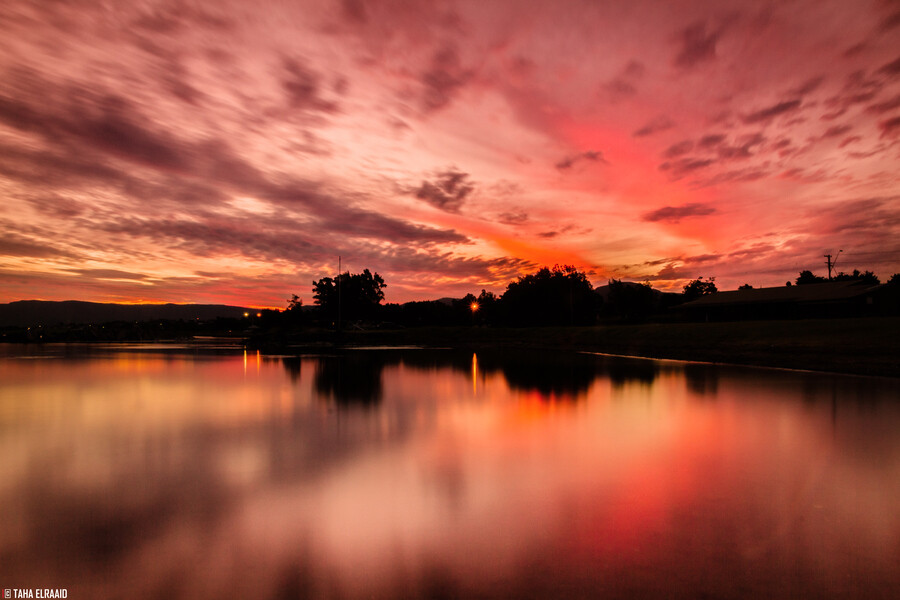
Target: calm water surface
(142,472)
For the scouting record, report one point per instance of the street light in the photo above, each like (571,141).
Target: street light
(474,307)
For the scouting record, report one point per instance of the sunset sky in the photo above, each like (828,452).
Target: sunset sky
(229,151)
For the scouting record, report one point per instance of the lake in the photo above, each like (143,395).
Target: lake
(183,472)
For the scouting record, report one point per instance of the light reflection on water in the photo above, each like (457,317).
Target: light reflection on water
(379,473)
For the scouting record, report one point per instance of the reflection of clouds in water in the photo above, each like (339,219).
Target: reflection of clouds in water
(258,487)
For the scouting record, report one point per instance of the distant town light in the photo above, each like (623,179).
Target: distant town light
(259,314)
(246,314)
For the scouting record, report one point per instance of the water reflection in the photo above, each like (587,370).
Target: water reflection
(702,379)
(351,378)
(550,375)
(430,474)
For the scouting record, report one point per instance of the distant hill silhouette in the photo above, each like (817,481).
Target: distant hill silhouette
(27,313)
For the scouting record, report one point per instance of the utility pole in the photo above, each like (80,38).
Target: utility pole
(339,292)
(831,263)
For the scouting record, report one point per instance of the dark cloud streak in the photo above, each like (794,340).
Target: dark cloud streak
(590,155)
(769,113)
(654,126)
(674,214)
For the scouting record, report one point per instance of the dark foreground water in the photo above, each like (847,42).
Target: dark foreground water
(179,473)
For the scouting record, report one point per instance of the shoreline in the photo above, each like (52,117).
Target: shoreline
(858,346)
(865,346)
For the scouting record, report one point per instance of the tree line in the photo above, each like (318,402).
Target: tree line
(562,295)
(557,296)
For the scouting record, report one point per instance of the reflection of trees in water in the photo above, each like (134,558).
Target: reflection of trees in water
(563,376)
(702,380)
(431,360)
(291,364)
(352,379)
(628,370)
(567,375)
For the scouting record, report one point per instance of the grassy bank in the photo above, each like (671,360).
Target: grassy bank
(869,346)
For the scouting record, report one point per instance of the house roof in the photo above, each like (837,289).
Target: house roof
(814,292)
(603,290)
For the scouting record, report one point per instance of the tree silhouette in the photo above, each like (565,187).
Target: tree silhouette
(868,277)
(633,301)
(294,311)
(358,295)
(807,277)
(697,288)
(487,307)
(561,296)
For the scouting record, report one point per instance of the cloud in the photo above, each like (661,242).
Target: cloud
(679,149)
(701,258)
(107,122)
(74,116)
(769,113)
(186,177)
(782,143)
(683,166)
(710,141)
(448,192)
(742,149)
(591,155)
(890,22)
(873,217)
(836,131)
(859,88)
(655,125)
(891,69)
(747,174)
(355,10)
(364,223)
(108,274)
(44,167)
(890,127)
(303,88)
(443,79)
(176,80)
(624,84)
(513,218)
(432,264)
(557,232)
(886,106)
(165,20)
(810,85)
(674,214)
(12,244)
(697,45)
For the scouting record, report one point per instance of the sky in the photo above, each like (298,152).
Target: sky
(230,151)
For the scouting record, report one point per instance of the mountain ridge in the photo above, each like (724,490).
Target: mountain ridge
(29,313)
